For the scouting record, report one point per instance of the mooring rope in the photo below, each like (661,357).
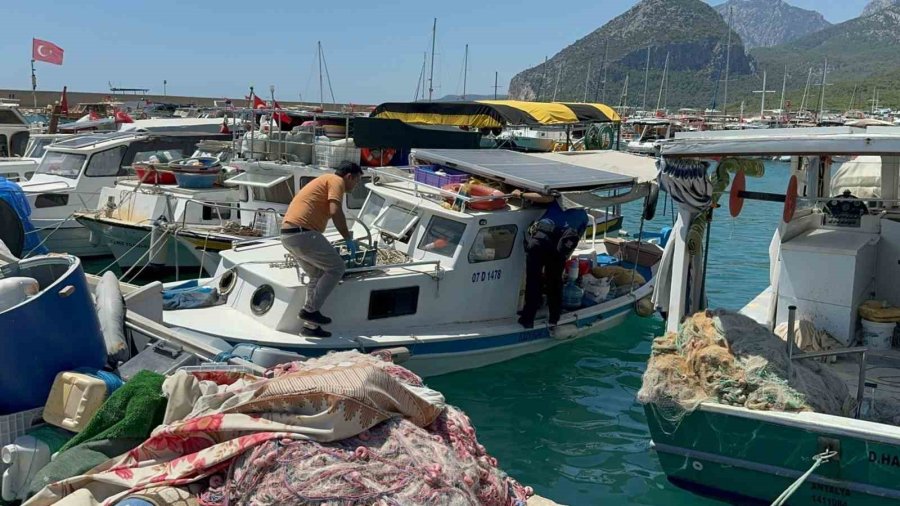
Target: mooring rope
(818,460)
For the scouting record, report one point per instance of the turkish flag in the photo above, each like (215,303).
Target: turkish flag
(64,103)
(258,103)
(41,50)
(123,117)
(281,116)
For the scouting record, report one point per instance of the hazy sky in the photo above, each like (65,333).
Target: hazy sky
(373,50)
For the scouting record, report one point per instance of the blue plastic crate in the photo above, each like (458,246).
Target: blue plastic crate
(426,174)
(196,180)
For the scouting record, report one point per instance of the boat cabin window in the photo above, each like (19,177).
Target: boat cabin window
(397,222)
(371,209)
(393,302)
(106,163)
(18,143)
(356,198)
(493,243)
(37,146)
(51,200)
(66,165)
(443,236)
(4,146)
(159,156)
(281,193)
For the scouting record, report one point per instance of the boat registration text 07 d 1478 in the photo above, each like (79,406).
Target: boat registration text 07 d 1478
(482,276)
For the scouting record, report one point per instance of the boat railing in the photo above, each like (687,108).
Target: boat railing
(856,350)
(218,207)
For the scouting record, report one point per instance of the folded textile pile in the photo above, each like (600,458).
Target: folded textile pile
(346,428)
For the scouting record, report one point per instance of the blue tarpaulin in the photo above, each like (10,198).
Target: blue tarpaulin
(12,193)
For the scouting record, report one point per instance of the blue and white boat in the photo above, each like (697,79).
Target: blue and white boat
(48,324)
(448,282)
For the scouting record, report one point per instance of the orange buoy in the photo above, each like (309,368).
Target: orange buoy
(735,200)
(377,157)
(790,200)
(477,190)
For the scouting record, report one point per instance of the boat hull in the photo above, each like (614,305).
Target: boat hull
(71,238)
(130,245)
(738,453)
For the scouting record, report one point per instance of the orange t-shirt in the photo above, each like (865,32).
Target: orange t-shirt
(309,208)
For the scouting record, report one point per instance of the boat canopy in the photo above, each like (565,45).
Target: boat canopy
(785,141)
(523,170)
(642,168)
(496,113)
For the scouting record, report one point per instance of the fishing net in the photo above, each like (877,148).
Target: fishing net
(395,462)
(728,358)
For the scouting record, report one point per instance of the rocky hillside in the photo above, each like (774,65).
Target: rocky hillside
(765,23)
(690,32)
(876,5)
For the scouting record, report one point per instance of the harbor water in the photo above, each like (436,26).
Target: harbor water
(566,421)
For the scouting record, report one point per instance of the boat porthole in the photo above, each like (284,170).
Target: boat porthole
(227,282)
(697,465)
(262,300)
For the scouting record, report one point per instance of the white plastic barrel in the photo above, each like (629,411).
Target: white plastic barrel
(877,336)
(15,290)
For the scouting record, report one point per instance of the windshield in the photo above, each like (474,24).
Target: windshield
(61,164)
(37,146)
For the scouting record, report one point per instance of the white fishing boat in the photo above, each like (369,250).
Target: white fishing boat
(73,171)
(14,134)
(21,168)
(647,133)
(443,282)
(813,417)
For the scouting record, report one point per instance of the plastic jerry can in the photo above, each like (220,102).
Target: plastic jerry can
(74,399)
(25,457)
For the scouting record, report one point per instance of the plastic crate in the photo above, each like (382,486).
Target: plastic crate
(426,174)
(15,425)
(331,156)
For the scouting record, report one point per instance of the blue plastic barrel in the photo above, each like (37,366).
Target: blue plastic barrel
(56,330)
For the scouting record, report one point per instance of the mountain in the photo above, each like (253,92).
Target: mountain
(766,23)
(690,32)
(876,5)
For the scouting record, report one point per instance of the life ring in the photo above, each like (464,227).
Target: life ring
(477,190)
(377,157)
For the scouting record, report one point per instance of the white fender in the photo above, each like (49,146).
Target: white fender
(111,313)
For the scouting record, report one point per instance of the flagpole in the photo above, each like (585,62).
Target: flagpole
(33,84)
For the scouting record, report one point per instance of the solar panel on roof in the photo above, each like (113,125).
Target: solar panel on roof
(522,170)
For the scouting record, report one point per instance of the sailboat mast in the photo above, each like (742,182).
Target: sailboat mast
(646,80)
(541,85)
(822,96)
(587,81)
(783,89)
(662,83)
(465,71)
(623,101)
(558,75)
(762,105)
(853,96)
(321,84)
(806,90)
(605,69)
(727,62)
(431,75)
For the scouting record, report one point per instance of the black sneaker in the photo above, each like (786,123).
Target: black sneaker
(528,324)
(317,317)
(316,332)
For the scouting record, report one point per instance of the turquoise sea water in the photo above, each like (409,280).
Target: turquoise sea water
(566,421)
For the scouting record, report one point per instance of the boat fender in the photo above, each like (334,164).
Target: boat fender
(735,200)
(650,202)
(790,200)
(16,290)
(564,332)
(111,313)
(644,307)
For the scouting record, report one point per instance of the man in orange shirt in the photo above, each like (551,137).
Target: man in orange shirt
(301,234)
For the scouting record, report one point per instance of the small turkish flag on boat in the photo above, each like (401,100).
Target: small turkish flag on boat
(122,117)
(44,51)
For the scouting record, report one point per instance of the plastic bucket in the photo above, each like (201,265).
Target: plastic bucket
(877,336)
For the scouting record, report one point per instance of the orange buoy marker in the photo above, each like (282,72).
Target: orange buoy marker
(735,199)
(790,200)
